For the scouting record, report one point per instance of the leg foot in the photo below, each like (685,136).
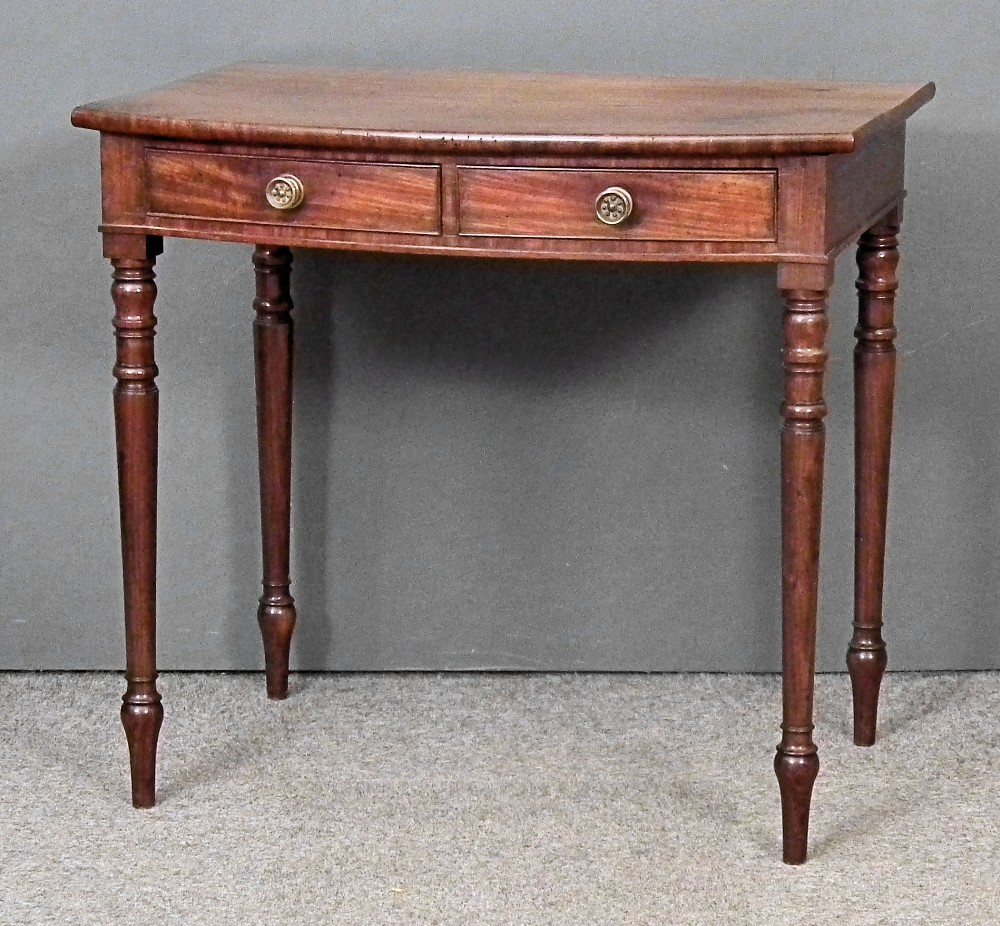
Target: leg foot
(277,621)
(796,776)
(866,668)
(142,721)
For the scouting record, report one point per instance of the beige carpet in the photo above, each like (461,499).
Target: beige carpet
(495,800)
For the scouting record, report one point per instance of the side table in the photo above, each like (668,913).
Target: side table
(522,166)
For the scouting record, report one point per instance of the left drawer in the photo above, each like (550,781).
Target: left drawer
(342,195)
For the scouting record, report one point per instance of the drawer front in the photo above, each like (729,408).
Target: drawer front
(667,205)
(343,195)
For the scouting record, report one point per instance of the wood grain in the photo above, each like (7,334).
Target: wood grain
(862,186)
(136,403)
(874,385)
(814,194)
(339,194)
(509,113)
(670,205)
(273,341)
(803,442)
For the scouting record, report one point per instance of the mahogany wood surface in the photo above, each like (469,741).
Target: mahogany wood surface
(508,113)
(670,205)
(136,403)
(272,332)
(875,375)
(861,184)
(495,165)
(339,194)
(803,441)
(809,224)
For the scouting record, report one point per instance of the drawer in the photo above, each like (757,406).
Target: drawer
(343,195)
(667,205)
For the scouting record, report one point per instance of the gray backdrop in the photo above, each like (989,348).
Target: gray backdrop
(497,465)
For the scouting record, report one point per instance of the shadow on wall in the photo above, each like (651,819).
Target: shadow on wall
(505,464)
(943,587)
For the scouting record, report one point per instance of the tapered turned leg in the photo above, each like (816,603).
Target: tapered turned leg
(802,444)
(874,381)
(273,364)
(136,411)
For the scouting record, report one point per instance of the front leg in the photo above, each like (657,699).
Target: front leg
(874,382)
(136,412)
(802,448)
(273,366)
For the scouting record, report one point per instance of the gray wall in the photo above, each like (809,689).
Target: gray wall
(498,465)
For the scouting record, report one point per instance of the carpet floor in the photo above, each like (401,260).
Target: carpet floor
(501,800)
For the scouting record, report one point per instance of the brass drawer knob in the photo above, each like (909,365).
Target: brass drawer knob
(614,205)
(285,192)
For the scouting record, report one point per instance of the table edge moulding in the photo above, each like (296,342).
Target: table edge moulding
(541,166)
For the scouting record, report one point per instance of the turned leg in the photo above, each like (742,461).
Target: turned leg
(874,380)
(273,364)
(136,410)
(802,444)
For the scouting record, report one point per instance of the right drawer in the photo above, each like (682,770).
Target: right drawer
(666,205)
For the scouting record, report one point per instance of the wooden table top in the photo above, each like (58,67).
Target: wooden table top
(508,113)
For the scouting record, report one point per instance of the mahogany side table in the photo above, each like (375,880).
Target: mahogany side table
(521,166)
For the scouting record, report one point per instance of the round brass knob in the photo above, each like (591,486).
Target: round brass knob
(285,192)
(614,205)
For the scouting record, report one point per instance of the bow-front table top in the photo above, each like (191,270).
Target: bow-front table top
(536,113)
